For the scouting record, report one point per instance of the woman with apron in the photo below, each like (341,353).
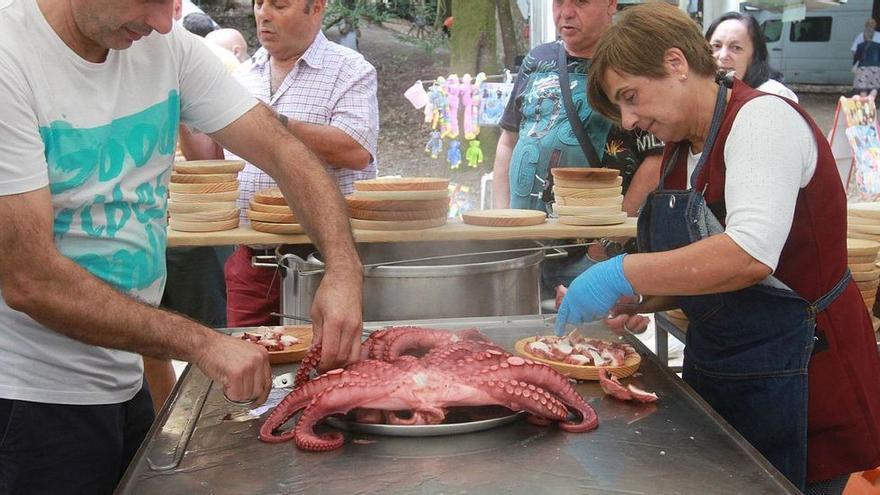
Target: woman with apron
(747,234)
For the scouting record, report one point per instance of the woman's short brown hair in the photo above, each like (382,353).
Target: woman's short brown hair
(636,45)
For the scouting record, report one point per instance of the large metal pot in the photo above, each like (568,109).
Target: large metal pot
(498,284)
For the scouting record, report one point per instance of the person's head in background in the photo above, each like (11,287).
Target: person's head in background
(199,24)
(738,44)
(287,31)
(230,39)
(580,24)
(870,27)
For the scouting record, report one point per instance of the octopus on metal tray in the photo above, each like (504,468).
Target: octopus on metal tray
(411,375)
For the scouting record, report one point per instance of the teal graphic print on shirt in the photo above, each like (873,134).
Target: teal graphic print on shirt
(108,183)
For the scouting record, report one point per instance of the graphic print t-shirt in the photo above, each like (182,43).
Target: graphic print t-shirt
(102,137)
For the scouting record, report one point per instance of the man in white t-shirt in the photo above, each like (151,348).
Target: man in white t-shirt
(87,140)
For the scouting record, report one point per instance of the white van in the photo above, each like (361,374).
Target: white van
(816,50)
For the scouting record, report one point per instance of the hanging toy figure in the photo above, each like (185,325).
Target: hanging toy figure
(435,110)
(452,88)
(435,145)
(470,100)
(474,154)
(453,155)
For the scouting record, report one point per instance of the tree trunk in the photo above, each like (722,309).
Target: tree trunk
(472,46)
(508,32)
(444,10)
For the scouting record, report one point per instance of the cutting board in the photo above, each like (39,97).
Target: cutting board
(402,184)
(571,192)
(209,167)
(202,178)
(588,184)
(395,204)
(613,201)
(504,217)
(262,216)
(277,228)
(422,195)
(281,209)
(204,198)
(584,173)
(202,188)
(397,225)
(386,216)
(271,196)
(862,247)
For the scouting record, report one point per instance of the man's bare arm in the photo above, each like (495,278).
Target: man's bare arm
(333,146)
(198,146)
(36,279)
(501,169)
(260,138)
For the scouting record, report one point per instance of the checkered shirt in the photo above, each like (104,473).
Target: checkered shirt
(329,85)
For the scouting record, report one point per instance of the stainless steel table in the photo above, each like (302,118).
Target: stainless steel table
(678,445)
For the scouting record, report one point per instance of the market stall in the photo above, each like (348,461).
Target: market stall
(203,444)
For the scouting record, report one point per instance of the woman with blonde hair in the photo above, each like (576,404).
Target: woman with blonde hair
(750,241)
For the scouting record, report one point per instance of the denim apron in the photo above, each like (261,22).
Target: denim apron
(747,351)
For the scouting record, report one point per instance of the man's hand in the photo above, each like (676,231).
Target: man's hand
(593,293)
(240,366)
(337,316)
(624,317)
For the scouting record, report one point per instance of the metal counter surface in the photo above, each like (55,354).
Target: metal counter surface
(200,444)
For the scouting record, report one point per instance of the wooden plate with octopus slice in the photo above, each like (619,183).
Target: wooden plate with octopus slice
(295,352)
(631,364)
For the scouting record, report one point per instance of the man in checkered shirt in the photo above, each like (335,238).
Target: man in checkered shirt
(326,93)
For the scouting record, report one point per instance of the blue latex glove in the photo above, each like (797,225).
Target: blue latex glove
(593,293)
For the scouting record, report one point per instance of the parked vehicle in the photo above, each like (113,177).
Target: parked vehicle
(816,50)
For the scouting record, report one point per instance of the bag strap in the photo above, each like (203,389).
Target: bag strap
(573,119)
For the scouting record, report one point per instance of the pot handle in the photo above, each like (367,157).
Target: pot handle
(264,261)
(557,253)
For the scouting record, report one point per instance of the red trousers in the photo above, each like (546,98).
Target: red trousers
(251,292)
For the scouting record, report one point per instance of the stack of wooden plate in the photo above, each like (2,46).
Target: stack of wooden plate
(268,212)
(588,196)
(399,203)
(203,194)
(863,221)
(862,259)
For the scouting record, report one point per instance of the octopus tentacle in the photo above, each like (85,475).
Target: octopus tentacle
(308,364)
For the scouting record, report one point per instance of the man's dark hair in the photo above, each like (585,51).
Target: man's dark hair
(199,23)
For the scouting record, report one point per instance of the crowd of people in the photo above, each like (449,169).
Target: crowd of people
(741,217)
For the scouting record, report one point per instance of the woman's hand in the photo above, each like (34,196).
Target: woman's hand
(593,293)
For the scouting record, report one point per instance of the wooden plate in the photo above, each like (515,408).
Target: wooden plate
(182,226)
(386,216)
(209,167)
(593,220)
(588,184)
(281,209)
(868,286)
(213,187)
(261,216)
(271,196)
(861,259)
(430,194)
(631,364)
(866,276)
(402,184)
(398,225)
(509,217)
(202,178)
(864,228)
(277,228)
(174,207)
(570,192)
(852,220)
(586,211)
(676,313)
(867,210)
(295,352)
(862,267)
(862,247)
(615,201)
(584,173)
(206,216)
(205,198)
(861,236)
(396,205)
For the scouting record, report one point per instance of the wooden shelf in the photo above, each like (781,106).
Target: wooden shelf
(455,230)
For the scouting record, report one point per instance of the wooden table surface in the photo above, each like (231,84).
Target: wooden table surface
(455,230)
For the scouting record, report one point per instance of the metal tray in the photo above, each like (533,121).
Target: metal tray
(424,430)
